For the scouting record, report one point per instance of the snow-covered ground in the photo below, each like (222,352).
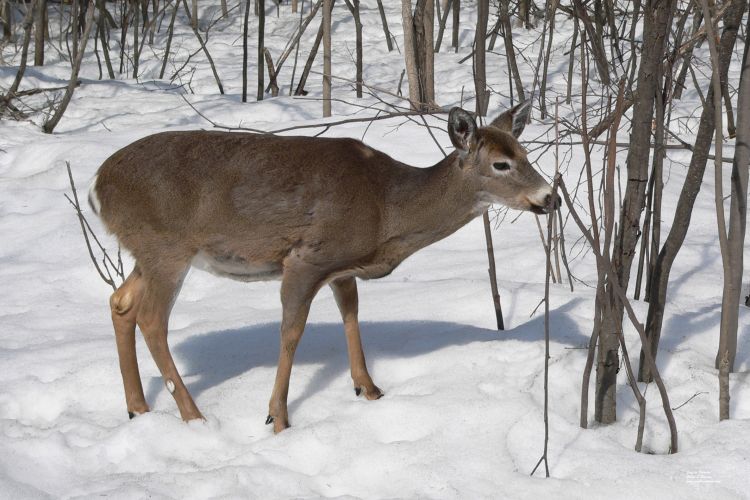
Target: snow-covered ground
(462,415)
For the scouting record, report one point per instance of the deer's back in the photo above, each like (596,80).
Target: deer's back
(245,196)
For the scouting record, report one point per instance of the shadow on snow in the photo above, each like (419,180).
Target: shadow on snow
(219,356)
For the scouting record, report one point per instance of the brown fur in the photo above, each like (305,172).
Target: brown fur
(310,211)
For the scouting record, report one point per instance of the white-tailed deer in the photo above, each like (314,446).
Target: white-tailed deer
(307,211)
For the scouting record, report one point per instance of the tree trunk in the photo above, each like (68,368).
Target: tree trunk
(442,20)
(424,26)
(456,22)
(6,12)
(657,16)
(194,18)
(354,9)
(694,178)
(656,26)
(74,20)
(40,28)
(510,52)
(480,74)
(272,86)
(387,33)
(410,57)
(50,125)
(103,30)
(300,90)
(686,58)
(261,45)
(543,87)
(28,23)
(136,30)
(244,50)
(327,58)
(595,39)
(294,45)
(205,49)
(419,52)
(523,12)
(737,219)
(124,13)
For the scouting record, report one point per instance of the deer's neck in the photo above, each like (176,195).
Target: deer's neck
(431,203)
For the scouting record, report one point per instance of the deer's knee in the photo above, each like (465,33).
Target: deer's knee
(122,301)
(125,300)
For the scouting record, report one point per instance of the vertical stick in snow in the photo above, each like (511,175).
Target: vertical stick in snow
(136,29)
(74,27)
(492,272)
(548,272)
(482,101)
(261,45)
(326,58)
(387,33)
(244,51)
(40,27)
(456,22)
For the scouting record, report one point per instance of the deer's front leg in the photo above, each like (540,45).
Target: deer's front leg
(298,287)
(345,291)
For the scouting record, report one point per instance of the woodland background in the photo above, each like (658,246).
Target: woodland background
(642,298)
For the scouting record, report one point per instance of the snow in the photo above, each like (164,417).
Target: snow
(462,415)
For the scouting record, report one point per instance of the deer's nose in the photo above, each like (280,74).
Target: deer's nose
(552,202)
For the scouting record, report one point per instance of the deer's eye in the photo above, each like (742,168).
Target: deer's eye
(501,166)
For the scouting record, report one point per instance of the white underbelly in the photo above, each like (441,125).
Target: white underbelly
(236,268)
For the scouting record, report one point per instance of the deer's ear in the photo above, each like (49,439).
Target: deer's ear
(461,129)
(513,120)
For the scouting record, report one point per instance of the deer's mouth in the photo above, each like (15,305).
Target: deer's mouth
(539,209)
(551,203)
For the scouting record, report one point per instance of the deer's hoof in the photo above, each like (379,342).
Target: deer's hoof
(279,424)
(136,412)
(371,393)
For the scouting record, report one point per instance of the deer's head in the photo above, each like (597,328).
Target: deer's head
(496,160)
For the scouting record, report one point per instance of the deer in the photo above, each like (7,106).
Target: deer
(306,211)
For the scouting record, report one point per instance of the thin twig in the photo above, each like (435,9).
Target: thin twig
(107,278)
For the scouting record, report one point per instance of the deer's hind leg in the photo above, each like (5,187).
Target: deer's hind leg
(160,290)
(125,303)
(345,292)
